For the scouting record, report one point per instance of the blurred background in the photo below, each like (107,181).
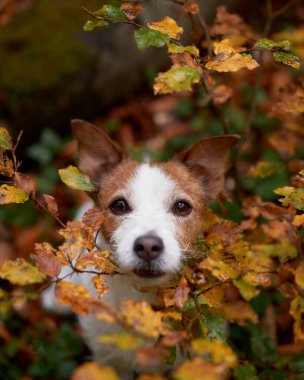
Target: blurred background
(51,71)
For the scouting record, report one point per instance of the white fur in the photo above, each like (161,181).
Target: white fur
(151,194)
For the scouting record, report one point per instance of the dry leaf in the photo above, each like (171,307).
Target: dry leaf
(93,371)
(167,26)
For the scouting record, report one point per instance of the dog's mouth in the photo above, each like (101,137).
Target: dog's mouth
(148,273)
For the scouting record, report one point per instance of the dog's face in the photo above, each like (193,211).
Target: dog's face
(153,211)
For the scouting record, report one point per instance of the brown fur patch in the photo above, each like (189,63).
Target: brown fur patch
(116,180)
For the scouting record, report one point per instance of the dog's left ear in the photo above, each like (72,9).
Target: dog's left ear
(207,161)
(98,154)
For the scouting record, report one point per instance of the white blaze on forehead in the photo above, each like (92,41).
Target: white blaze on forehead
(150,194)
(150,189)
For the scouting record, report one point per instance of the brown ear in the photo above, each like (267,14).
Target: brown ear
(98,154)
(207,161)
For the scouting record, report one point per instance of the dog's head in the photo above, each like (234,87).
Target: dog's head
(153,211)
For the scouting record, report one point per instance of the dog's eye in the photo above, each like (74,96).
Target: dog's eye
(181,208)
(119,207)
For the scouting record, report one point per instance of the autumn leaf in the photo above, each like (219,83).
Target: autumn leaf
(46,260)
(291,196)
(178,78)
(232,63)
(78,238)
(182,292)
(131,9)
(99,260)
(5,139)
(93,371)
(49,202)
(223,47)
(151,377)
(299,275)
(93,218)
(12,194)
(167,26)
(247,290)
(25,183)
(239,312)
(91,25)
(142,318)
(219,352)
(111,13)
(179,49)
(123,340)
(191,7)
(264,169)
(298,220)
(73,295)
(20,272)
(100,285)
(266,43)
(74,179)
(145,38)
(221,94)
(6,165)
(288,59)
(197,369)
(297,310)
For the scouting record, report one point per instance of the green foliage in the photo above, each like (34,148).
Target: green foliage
(145,37)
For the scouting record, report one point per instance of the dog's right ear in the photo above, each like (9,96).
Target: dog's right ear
(98,154)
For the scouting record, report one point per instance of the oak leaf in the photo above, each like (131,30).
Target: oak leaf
(167,26)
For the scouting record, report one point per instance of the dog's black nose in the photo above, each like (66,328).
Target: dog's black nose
(148,247)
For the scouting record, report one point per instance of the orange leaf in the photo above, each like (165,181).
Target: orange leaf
(100,285)
(75,296)
(93,371)
(93,218)
(167,26)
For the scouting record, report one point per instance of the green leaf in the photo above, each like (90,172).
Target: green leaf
(177,49)
(74,179)
(262,346)
(12,194)
(287,58)
(178,78)
(266,43)
(5,139)
(91,25)
(20,272)
(145,37)
(112,13)
(246,371)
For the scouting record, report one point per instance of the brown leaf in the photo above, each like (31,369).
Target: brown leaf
(75,296)
(47,263)
(191,7)
(93,218)
(198,369)
(25,183)
(182,292)
(239,312)
(131,10)
(49,202)
(99,260)
(6,165)
(226,23)
(150,355)
(221,94)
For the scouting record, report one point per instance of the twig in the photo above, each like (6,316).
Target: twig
(207,33)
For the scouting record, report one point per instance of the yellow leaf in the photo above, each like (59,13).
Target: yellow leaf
(214,297)
(5,139)
(93,371)
(177,49)
(151,377)
(142,318)
(78,238)
(247,291)
(223,47)
(11,194)
(299,275)
(99,260)
(297,310)
(239,312)
(219,352)
(75,296)
(100,285)
(124,340)
(235,62)
(74,179)
(167,26)
(199,369)
(298,221)
(20,272)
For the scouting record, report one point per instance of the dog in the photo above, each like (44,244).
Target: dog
(153,216)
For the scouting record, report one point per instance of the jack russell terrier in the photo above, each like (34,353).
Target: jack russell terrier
(153,215)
